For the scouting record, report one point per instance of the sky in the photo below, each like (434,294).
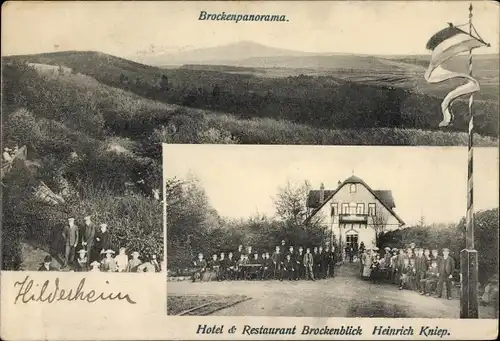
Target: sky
(125,29)
(430,181)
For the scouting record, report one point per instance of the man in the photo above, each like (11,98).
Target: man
(399,263)
(394,265)
(283,246)
(435,256)
(102,240)
(351,253)
(88,235)
(420,268)
(71,236)
(268,267)
(299,263)
(200,265)
(230,266)
(316,262)
(47,264)
(427,255)
(405,273)
(323,263)
(308,264)
(428,283)
(409,253)
(277,258)
(291,253)
(328,262)
(213,265)
(288,268)
(249,252)
(445,273)
(241,266)
(222,267)
(237,254)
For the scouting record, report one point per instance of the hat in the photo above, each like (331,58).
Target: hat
(138,254)
(283,241)
(387,248)
(104,225)
(375,248)
(71,219)
(108,251)
(394,249)
(82,251)
(47,259)
(446,249)
(95,263)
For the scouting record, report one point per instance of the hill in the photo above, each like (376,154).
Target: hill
(219,54)
(341,99)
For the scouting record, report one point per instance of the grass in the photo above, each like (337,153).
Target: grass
(181,304)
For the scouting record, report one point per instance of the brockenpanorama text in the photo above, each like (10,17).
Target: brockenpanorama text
(53,291)
(237,17)
(426,331)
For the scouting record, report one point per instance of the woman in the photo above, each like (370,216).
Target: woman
(367,264)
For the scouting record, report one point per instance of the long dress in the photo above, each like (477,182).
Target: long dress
(367,263)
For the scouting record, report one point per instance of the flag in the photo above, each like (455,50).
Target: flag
(444,45)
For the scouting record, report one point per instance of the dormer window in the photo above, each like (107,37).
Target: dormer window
(352,188)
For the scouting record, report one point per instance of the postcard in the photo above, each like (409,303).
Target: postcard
(249,170)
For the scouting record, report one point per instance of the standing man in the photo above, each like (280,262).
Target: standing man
(277,258)
(71,236)
(323,263)
(299,259)
(420,268)
(88,235)
(445,271)
(308,264)
(331,261)
(291,253)
(316,262)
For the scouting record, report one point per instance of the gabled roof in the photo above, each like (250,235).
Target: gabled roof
(383,196)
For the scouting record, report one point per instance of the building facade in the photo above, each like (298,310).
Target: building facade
(354,212)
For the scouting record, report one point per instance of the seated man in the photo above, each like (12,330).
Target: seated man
(222,267)
(267,267)
(200,268)
(429,282)
(288,268)
(230,267)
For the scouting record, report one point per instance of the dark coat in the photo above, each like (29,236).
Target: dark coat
(103,242)
(446,267)
(420,264)
(71,235)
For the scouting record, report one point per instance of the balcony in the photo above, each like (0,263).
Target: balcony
(353,218)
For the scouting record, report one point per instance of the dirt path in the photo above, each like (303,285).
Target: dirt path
(343,296)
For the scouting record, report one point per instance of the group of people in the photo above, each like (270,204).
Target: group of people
(413,268)
(89,249)
(288,263)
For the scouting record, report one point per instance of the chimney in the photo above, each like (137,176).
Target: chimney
(339,183)
(321,194)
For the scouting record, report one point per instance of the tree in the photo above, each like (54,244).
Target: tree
(379,223)
(290,204)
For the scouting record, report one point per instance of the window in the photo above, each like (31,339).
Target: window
(335,209)
(353,188)
(371,209)
(352,208)
(360,209)
(345,208)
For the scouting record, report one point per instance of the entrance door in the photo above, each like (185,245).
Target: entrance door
(352,240)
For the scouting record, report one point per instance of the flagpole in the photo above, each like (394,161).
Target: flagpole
(468,256)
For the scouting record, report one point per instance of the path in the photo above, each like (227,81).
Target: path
(346,295)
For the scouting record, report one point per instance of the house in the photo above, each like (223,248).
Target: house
(354,212)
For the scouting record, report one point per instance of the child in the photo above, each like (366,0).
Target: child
(109,263)
(404,274)
(134,262)
(95,266)
(121,260)
(82,261)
